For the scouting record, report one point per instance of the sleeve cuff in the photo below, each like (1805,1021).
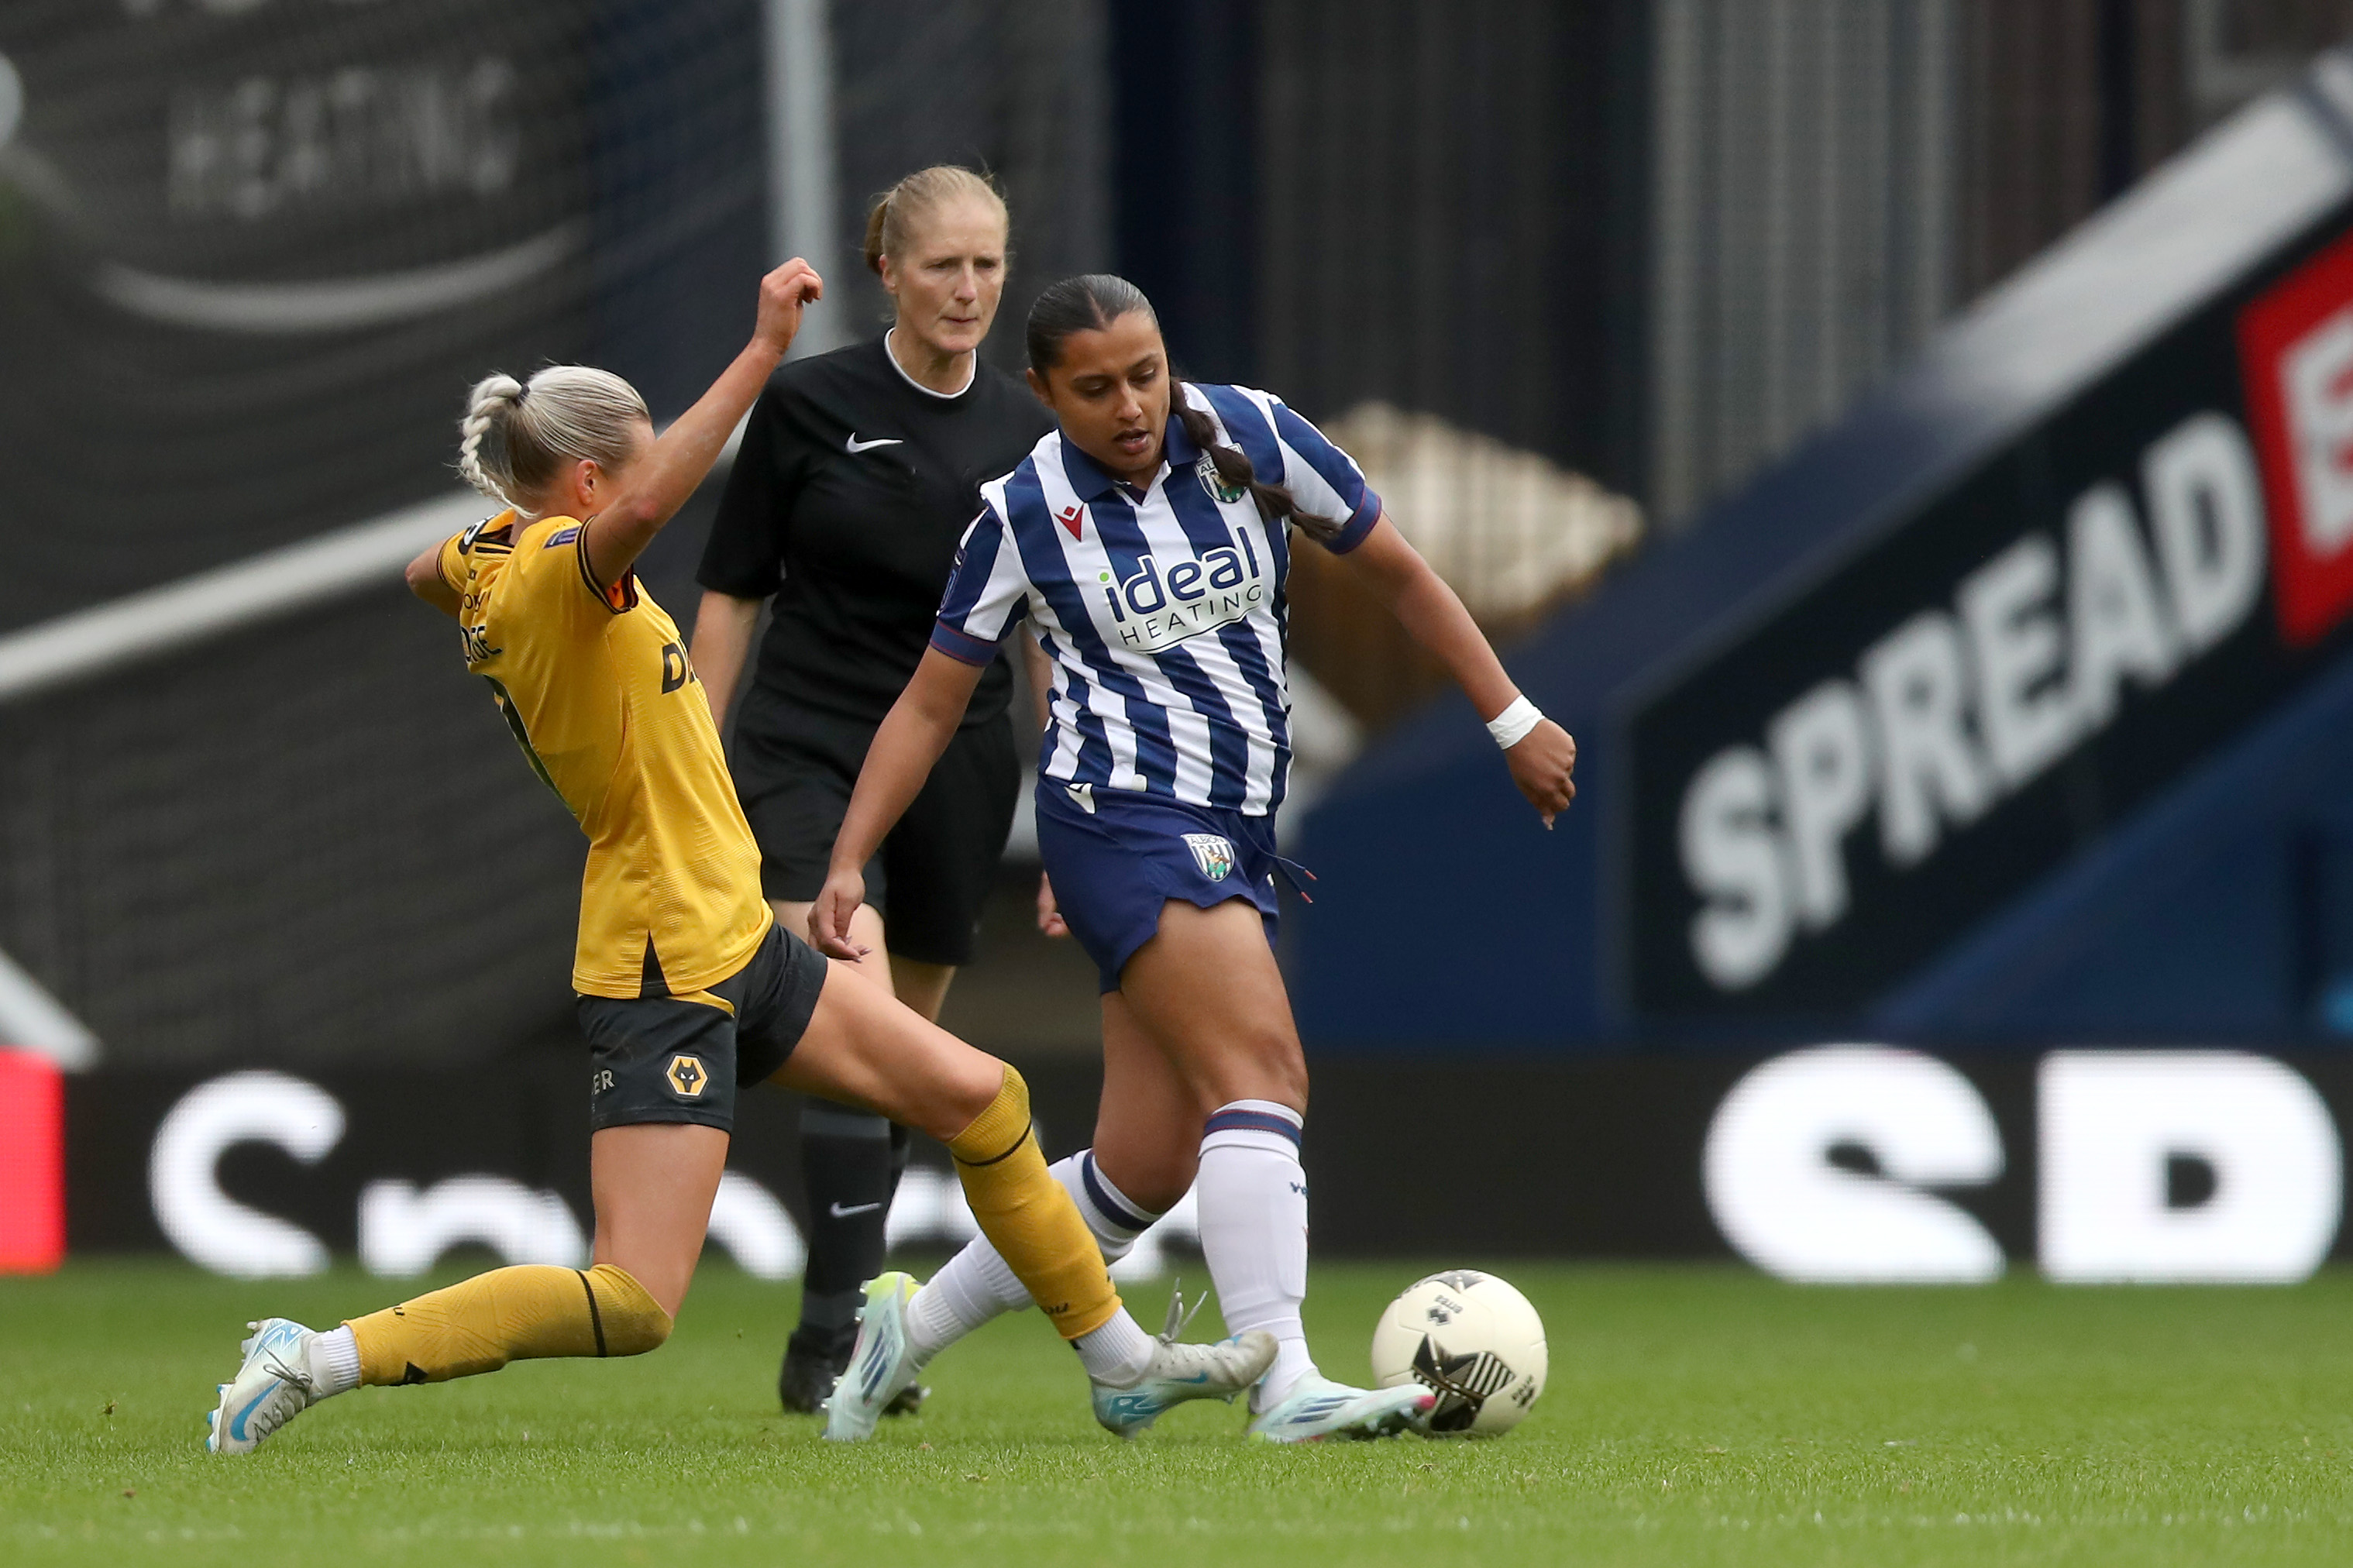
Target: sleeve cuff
(618,599)
(962,645)
(1360,523)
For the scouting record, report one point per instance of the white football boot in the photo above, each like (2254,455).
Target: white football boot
(1316,1408)
(273,1386)
(881,1365)
(1178,1373)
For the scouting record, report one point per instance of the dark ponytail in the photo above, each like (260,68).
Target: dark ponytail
(1093,301)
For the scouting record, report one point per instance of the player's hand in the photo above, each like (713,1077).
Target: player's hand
(1541,765)
(829,917)
(782,294)
(1049,914)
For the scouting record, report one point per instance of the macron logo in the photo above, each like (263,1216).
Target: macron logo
(1072,518)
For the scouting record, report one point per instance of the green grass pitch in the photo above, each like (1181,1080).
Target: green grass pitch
(1698,1415)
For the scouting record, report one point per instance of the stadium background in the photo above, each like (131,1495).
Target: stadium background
(1656,313)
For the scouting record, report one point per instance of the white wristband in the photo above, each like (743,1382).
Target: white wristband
(1512,725)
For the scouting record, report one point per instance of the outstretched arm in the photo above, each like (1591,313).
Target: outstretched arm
(1543,760)
(661,480)
(917,729)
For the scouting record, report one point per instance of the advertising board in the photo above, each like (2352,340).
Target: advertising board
(1851,1163)
(1913,733)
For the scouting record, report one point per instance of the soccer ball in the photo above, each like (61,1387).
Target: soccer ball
(1474,1339)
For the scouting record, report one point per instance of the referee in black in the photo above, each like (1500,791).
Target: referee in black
(858,472)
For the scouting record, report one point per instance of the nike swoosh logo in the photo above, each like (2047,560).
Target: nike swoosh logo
(236,1422)
(839,1213)
(857,446)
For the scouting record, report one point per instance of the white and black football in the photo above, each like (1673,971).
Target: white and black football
(1472,1339)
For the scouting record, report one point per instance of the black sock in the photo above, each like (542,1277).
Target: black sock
(850,1161)
(902,1143)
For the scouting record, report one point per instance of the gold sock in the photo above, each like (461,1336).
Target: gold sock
(508,1314)
(1029,1218)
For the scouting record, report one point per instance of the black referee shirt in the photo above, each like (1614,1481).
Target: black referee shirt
(853,486)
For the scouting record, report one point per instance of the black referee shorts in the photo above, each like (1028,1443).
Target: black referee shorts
(794,775)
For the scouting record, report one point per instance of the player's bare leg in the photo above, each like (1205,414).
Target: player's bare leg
(652,1185)
(863,1048)
(922,987)
(1205,990)
(1148,1121)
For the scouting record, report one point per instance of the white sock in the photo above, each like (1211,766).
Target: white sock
(977,1285)
(334,1358)
(1117,1353)
(1114,1218)
(1253,1202)
(943,1309)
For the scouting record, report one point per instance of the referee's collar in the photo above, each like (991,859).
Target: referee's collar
(1089,482)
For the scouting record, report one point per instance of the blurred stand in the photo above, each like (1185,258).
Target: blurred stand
(1515,535)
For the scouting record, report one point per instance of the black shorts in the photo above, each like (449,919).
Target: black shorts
(933,871)
(683,1058)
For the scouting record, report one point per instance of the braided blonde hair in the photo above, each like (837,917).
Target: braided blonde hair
(516,434)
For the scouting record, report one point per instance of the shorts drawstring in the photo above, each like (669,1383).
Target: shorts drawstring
(1291,871)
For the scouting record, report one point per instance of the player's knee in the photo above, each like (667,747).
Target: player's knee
(998,1119)
(628,1321)
(983,1084)
(641,1335)
(1006,1098)
(1291,1075)
(1261,1064)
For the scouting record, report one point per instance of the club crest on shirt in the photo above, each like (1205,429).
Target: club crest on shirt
(1215,482)
(1213,853)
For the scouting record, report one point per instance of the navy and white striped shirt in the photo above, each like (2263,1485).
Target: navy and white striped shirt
(1161,609)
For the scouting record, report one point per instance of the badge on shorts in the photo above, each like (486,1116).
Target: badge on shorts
(1212,853)
(1215,482)
(686,1077)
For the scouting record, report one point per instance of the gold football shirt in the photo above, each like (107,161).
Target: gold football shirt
(596,685)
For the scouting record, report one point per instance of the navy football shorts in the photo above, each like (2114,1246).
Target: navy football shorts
(1115,865)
